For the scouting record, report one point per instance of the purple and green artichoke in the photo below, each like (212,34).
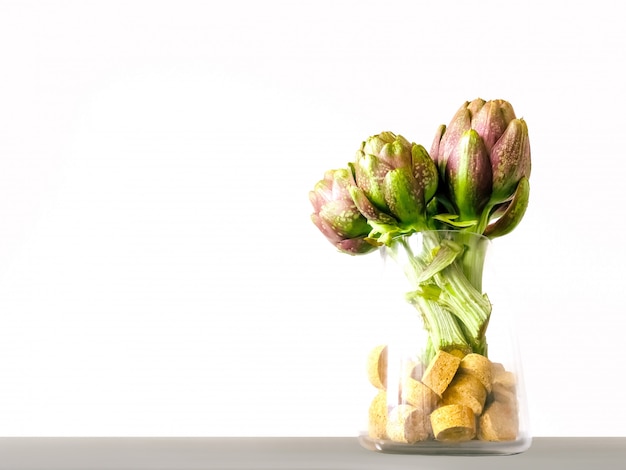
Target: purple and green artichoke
(336,215)
(483,157)
(395,181)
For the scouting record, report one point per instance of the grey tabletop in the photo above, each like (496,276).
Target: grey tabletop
(18,453)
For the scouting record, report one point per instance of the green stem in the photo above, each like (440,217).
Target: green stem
(461,286)
(443,328)
(447,292)
(471,307)
(441,325)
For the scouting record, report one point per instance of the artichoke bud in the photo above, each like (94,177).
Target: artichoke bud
(336,215)
(468,173)
(379,155)
(510,160)
(395,180)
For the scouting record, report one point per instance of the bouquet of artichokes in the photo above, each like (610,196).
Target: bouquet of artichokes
(474,180)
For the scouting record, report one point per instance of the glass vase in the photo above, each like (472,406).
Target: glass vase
(446,376)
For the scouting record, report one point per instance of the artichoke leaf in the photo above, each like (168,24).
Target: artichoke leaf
(451,219)
(369,210)
(403,196)
(513,214)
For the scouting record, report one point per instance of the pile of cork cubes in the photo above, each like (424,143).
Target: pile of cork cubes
(457,398)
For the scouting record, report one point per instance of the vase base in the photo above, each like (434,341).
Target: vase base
(474,447)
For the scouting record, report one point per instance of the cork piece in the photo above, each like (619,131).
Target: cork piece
(377,366)
(467,390)
(440,371)
(479,366)
(499,422)
(377,423)
(412,369)
(496,368)
(504,395)
(417,394)
(453,423)
(408,424)
(504,378)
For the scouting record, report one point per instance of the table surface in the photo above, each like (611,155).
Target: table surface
(151,453)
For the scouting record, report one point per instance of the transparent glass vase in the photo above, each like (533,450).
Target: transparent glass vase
(446,376)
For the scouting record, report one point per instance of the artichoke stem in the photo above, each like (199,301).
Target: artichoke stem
(451,301)
(444,330)
(471,307)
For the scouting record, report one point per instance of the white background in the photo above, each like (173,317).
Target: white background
(159,273)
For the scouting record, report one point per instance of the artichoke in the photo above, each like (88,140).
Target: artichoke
(336,215)
(395,180)
(483,158)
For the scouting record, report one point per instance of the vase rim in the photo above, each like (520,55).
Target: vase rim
(450,231)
